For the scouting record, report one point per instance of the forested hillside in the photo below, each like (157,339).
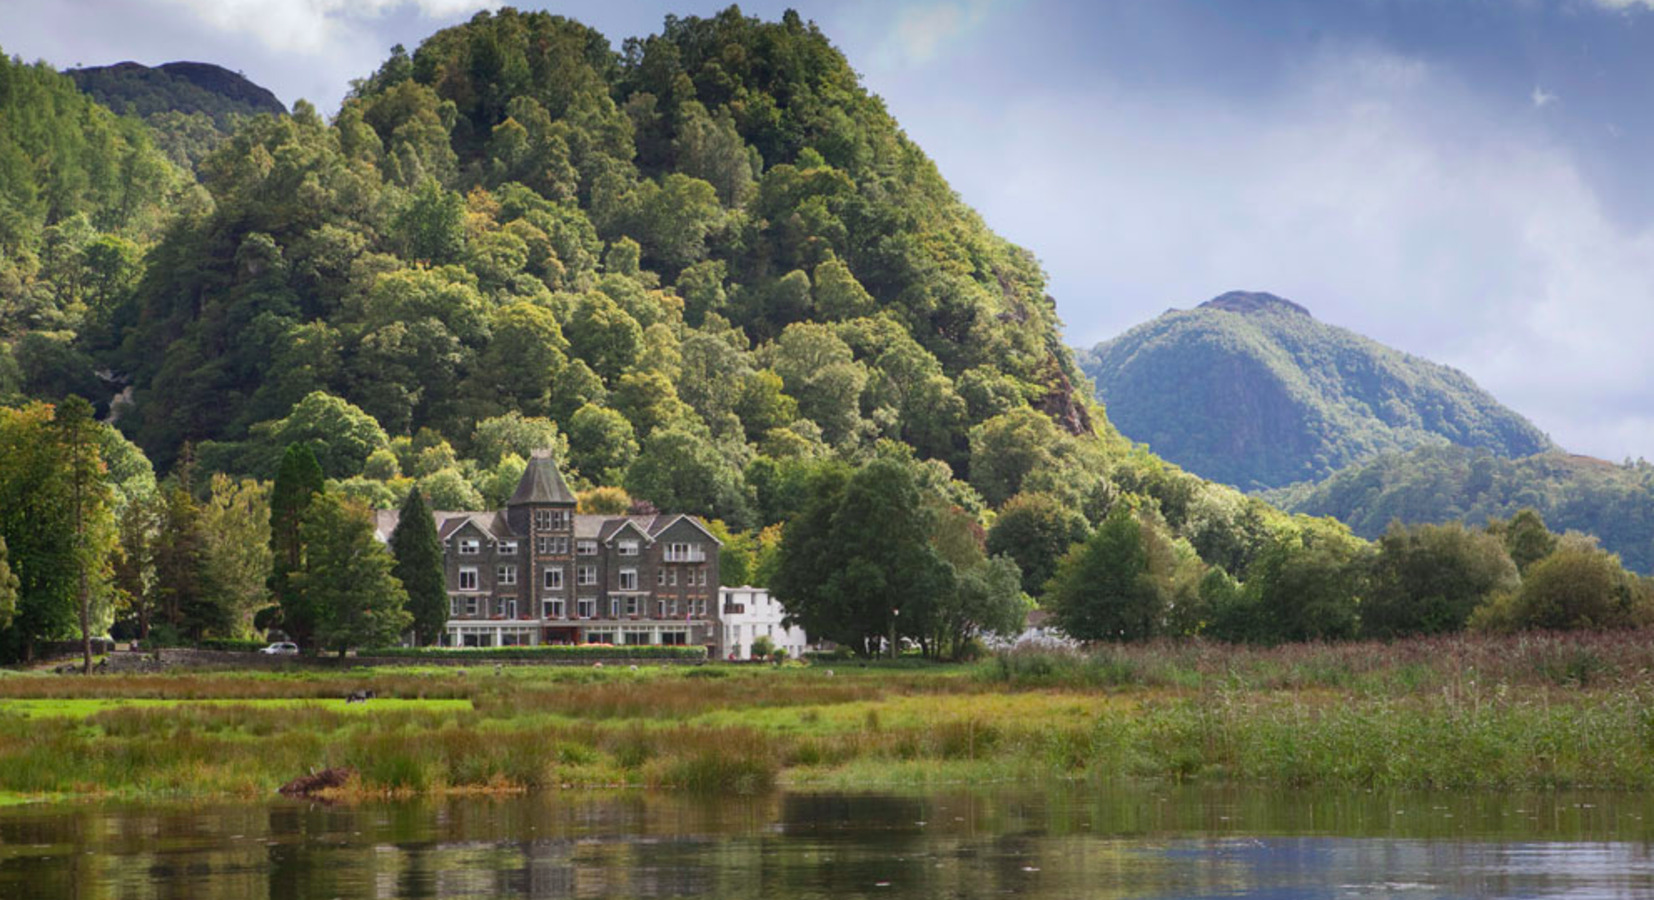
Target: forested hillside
(1250,390)
(1438,484)
(190,106)
(709,274)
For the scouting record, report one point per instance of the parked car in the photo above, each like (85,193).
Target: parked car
(281,648)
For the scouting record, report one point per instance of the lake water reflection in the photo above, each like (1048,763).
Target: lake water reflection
(1067,842)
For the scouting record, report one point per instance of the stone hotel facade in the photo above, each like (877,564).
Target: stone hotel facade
(537,572)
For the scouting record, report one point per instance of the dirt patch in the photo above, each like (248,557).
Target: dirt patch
(325,780)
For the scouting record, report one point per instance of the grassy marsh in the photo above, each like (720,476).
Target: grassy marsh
(1524,712)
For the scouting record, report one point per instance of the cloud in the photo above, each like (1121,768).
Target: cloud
(922,31)
(1541,98)
(1383,194)
(313,26)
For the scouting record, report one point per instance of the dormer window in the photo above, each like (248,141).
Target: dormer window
(508,548)
(469,546)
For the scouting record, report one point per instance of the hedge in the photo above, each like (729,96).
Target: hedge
(547,651)
(240,646)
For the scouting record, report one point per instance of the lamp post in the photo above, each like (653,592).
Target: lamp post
(893,614)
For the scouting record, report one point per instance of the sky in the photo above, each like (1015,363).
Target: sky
(1465,180)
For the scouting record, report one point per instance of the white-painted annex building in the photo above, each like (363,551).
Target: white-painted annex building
(749,612)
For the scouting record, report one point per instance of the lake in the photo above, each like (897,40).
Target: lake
(1046,842)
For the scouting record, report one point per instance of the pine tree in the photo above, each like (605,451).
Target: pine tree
(298,481)
(418,554)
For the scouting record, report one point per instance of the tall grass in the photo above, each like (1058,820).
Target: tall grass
(1533,712)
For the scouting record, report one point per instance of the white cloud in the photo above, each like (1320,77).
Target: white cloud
(312,26)
(923,30)
(1541,98)
(1384,196)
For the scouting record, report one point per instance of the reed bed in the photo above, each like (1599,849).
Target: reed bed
(1536,712)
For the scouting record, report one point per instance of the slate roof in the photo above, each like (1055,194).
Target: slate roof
(542,483)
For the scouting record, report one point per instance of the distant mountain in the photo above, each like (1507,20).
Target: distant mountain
(190,107)
(1437,484)
(186,87)
(1251,390)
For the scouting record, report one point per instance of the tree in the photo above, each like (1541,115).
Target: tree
(235,531)
(180,562)
(431,228)
(1007,449)
(90,517)
(1102,589)
(1307,585)
(418,554)
(8,587)
(1036,530)
(858,562)
(134,565)
(339,434)
(1577,585)
(298,482)
(603,335)
(680,471)
(514,433)
(346,578)
(1429,579)
(602,444)
(1526,538)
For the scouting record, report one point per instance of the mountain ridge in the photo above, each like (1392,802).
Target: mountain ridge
(1281,397)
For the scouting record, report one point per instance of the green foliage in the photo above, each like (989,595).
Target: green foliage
(1103,590)
(1035,530)
(8,587)
(1307,585)
(858,561)
(1439,484)
(347,579)
(298,481)
(1249,390)
(418,567)
(1578,585)
(1429,579)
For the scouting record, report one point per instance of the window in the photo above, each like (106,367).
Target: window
(600,637)
(673,578)
(660,576)
(508,548)
(586,607)
(700,607)
(586,548)
(585,575)
(471,606)
(468,578)
(507,607)
(552,579)
(627,548)
(674,638)
(631,606)
(674,609)
(636,638)
(470,546)
(551,546)
(628,579)
(614,607)
(505,575)
(554,609)
(455,606)
(684,552)
(702,572)
(542,520)
(660,609)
